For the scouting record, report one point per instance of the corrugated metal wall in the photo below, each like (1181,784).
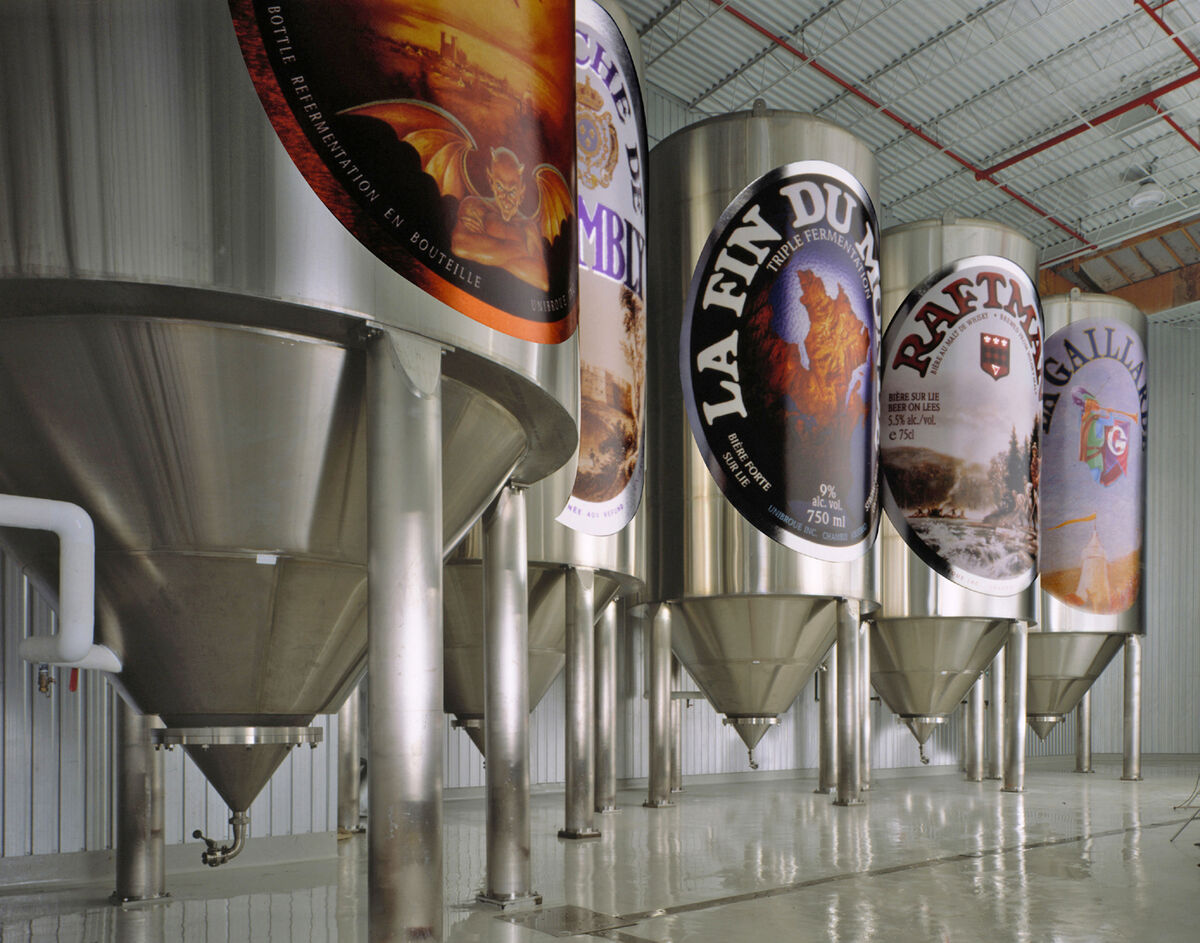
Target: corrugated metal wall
(57,765)
(57,769)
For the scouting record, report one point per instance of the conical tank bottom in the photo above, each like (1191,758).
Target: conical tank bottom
(1043,726)
(922,729)
(476,733)
(751,729)
(225,469)
(923,668)
(752,654)
(462,633)
(238,772)
(1063,665)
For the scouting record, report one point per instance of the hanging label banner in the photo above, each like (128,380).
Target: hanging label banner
(1094,423)
(611,155)
(439,133)
(778,358)
(961,394)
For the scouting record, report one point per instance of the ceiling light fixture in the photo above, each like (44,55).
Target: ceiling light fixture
(1147,196)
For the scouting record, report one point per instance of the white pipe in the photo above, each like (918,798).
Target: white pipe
(73,645)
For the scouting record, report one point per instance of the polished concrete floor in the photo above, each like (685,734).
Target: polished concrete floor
(929,857)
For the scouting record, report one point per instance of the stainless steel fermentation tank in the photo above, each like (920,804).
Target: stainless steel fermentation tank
(182,337)
(1075,644)
(934,637)
(750,618)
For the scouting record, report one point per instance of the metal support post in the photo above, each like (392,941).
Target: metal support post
(506,700)
(864,684)
(404,653)
(974,727)
(581,706)
(676,726)
(995,722)
(1131,765)
(659,792)
(827,752)
(141,869)
(1083,734)
(849,720)
(606,708)
(348,786)
(1015,668)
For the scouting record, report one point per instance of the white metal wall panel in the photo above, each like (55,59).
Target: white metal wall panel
(548,736)
(1171,653)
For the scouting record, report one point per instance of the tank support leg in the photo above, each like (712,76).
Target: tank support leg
(581,705)
(1131,765)
(404,653)
(849,645)
(1014,740)
(659,794)
(506,700)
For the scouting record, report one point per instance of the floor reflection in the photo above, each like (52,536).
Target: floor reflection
(927,858)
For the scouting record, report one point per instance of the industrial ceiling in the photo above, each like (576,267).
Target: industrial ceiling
(1045,115)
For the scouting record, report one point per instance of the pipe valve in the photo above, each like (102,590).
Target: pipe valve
(44,679)
(217,855)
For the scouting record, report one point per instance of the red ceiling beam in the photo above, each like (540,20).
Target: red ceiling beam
(1146,99)
(1152,12)
(908,126)
(1165,115)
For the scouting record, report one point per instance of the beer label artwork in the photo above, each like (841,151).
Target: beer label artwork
(961,394)
(778,358)
(610,140)
(1094,423)
(439,133)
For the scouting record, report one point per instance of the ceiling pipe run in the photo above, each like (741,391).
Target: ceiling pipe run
(980,174)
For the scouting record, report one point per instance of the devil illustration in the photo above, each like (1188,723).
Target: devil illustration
(490,227)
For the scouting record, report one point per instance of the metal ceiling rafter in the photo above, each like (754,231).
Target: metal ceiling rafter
(899,119)
(677,39)
(1147,98)
(932,41)
(1077,46)
(796,32)
(1152,12)
(1166,116)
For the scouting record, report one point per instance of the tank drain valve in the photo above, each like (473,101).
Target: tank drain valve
(921,752)
(219,854)
(753,762)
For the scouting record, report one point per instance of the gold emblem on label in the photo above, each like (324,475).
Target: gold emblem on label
(595,138)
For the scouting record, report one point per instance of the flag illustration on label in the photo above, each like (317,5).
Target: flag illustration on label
(1103,437)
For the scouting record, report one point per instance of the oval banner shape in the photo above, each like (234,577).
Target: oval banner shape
(440,134)
(961,394)
(778,358)
(611,157)
(1094,425)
